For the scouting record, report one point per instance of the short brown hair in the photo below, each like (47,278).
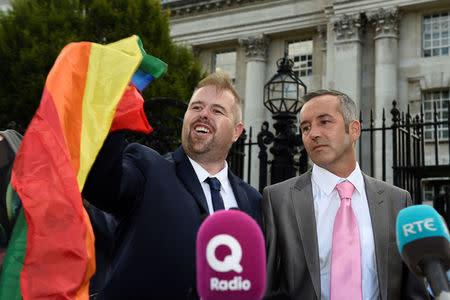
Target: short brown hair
(348,107)
(223,82)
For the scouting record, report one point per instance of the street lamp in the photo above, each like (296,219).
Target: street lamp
(283,98)
(284,91)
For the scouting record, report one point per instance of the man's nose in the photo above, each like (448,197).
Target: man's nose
(314,132)
(204,113)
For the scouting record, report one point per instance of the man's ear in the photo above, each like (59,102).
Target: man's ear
(354,129)
(238,128)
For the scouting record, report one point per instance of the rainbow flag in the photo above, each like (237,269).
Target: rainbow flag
(87,94)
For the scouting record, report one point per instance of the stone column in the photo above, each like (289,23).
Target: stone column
(253,107)
(348,54)
(385,23)
(322,41)
(386,56)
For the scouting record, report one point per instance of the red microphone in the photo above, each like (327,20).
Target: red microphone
(231,258)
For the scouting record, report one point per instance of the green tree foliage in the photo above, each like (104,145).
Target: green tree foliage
(31,36)
(33,33)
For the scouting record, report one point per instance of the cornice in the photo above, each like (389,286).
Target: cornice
(183,8)
(357,6)
(230,28)
(211,22)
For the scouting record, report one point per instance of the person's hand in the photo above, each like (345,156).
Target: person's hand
(1,137)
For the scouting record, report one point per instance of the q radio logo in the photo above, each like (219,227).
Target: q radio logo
(231,262)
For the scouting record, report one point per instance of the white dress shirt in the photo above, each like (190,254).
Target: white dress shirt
(326,205)
(226,191)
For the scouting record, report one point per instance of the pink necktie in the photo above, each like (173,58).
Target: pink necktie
(346,249)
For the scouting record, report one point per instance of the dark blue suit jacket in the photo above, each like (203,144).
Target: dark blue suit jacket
(159,203)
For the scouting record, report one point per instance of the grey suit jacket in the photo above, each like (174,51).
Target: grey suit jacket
(291,239)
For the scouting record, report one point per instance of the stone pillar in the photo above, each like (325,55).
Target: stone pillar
(385,23)
(253,107)
(322,41)
(348,54)
(386,56)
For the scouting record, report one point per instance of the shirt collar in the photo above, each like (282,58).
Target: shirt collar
(202,174)
(326,181)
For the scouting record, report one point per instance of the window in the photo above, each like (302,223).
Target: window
(225,61)
(436,34)
(441,99)
(300,51)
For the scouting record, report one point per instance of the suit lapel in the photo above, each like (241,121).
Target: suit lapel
(239,193)
(376,198)
(189,178)
(303,202)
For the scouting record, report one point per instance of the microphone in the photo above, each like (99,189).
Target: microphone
(231,257)
(424,244)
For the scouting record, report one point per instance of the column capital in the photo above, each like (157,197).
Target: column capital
(255,47)
(385,21)
(349,28)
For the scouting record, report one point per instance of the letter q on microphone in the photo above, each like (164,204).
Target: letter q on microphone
(231,258)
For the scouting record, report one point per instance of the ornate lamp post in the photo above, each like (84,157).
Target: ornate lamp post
(283,98)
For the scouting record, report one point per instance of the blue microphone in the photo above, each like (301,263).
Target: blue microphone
(423,241)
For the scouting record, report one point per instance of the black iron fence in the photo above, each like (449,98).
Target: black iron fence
(403,151)
(410,148)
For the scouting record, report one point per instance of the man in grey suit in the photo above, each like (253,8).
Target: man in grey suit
(299,216)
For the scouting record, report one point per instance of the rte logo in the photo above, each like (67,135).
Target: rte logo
(419,226)
(231,262)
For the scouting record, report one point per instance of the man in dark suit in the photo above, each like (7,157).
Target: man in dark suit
(160,201)
(302,217)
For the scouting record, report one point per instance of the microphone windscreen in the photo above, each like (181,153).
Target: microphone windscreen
(231,258)
(422,234)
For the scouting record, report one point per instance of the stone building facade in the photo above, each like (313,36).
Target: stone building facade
(376,51)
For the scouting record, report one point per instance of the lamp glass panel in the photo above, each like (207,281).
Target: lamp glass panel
(275,91)
(290,90)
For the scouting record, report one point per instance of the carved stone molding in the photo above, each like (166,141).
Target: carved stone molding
(255,47)
(385,21)
(193,7)
(349,28)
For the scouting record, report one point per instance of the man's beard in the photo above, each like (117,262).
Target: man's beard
(198,148)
